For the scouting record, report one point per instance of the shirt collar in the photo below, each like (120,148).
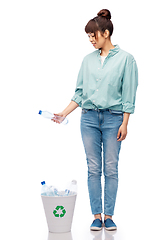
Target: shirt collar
(112,52)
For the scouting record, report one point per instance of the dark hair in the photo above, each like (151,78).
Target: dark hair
(100,23)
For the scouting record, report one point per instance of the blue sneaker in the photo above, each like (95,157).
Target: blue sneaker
(96,225)
(110,225)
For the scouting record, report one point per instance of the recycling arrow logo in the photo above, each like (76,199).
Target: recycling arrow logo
(56,212)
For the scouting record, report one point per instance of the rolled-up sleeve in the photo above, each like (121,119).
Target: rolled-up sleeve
(79,88)
(129,86)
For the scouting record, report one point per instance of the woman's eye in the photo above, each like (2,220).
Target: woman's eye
(91,36)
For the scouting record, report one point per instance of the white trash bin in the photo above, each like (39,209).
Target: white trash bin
(59,212)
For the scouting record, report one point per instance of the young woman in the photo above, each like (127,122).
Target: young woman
(106,90)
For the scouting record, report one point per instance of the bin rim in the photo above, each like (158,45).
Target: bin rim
(59,196)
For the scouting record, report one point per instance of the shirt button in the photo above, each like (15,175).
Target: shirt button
(97,80)
(97,90)
(93,100)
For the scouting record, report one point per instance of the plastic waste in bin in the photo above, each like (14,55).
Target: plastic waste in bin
(59,211)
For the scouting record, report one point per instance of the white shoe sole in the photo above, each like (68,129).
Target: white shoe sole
(95,228)
(111,228)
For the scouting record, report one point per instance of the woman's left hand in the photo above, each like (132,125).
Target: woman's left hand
(122,133)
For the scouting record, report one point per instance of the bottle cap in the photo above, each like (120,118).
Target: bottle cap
(42,183)
(74,182)
(40,112)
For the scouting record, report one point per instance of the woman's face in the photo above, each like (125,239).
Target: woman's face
(97,42)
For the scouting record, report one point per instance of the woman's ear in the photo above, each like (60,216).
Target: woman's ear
(106,33)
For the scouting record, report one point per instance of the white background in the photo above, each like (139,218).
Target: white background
(42,44)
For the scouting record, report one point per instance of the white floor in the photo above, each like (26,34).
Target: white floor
(23,218)
(140,207)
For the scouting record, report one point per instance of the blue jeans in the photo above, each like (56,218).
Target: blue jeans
(99,129)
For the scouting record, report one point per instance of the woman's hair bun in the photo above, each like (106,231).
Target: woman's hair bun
(104,13)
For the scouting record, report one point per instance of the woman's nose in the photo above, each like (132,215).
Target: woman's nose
(90,38)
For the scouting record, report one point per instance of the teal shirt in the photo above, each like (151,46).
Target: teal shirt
(111,86)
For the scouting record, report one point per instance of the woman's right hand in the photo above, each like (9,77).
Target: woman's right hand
(58,118)
(72,106)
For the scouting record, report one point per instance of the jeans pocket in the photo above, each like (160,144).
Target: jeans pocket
(84,110)
(114,112)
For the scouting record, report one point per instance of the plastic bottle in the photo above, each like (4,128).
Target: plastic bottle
(72,188)
(46,191)
(49,115)
(54,189)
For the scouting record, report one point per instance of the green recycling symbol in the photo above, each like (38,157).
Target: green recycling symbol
(56,214)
